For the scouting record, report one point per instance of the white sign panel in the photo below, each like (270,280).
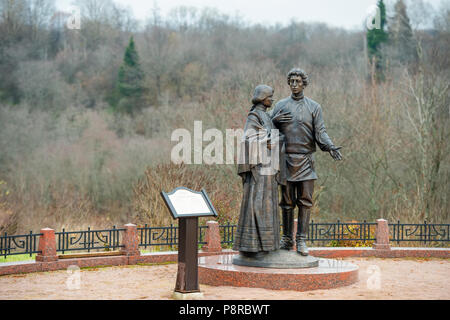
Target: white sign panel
(186,202)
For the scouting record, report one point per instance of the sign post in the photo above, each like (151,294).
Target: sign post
(187,205)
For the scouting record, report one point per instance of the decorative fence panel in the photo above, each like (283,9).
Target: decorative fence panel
(19,244)
(335,232)
(419,232)
(158,236)
(227,234)
(165,236)
(88,240)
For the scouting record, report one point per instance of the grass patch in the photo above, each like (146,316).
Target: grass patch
(158,249)
(96,267)
(18,257)
(157,263)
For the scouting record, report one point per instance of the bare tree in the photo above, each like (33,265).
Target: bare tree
(40,13)
(428,113)
(13,17)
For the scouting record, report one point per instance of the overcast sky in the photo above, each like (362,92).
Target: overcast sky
(348,14)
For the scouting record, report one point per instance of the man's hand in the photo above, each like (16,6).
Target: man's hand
(335,154)
(282,117)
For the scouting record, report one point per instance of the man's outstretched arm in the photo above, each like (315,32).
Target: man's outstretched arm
(322,139)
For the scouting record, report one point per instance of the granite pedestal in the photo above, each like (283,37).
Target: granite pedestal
(219,270)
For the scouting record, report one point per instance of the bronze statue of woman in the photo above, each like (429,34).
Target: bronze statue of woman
(258,229)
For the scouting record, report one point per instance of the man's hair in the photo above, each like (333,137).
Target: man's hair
(298,72)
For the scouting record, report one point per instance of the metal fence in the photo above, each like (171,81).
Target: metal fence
(419,232)
(19,244)
(227,233)
(341,231)
(333,233)
(88,240)
(165,238)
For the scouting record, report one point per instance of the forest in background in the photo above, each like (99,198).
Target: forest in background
(86,115)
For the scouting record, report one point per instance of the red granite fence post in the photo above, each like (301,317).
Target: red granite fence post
(212,238)
(130,240)
(47,246)
(382,235)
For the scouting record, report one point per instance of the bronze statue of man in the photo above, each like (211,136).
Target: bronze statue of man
(300,122)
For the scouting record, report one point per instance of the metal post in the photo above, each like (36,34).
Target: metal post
(187,277)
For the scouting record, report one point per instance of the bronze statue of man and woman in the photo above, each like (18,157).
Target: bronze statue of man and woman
(301,127)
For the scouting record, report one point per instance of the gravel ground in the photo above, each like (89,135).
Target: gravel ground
(378,279)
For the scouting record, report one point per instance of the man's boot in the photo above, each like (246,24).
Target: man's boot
(287,242)
(302,230)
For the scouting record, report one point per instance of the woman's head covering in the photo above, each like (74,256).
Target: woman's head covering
(261,92)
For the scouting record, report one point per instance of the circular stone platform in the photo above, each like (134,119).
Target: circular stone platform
(280,259)
(219,270)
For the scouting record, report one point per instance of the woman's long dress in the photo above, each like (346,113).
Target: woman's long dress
(259,224)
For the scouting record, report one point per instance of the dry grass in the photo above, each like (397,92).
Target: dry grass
(221,184)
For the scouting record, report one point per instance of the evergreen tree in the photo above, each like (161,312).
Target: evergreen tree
(130,82)
(375,38)
(402,35)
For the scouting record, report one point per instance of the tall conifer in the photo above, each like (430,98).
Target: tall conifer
(130,82)
(375,38)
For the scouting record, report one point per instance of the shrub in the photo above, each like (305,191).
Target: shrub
(354,232)
(150,207)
